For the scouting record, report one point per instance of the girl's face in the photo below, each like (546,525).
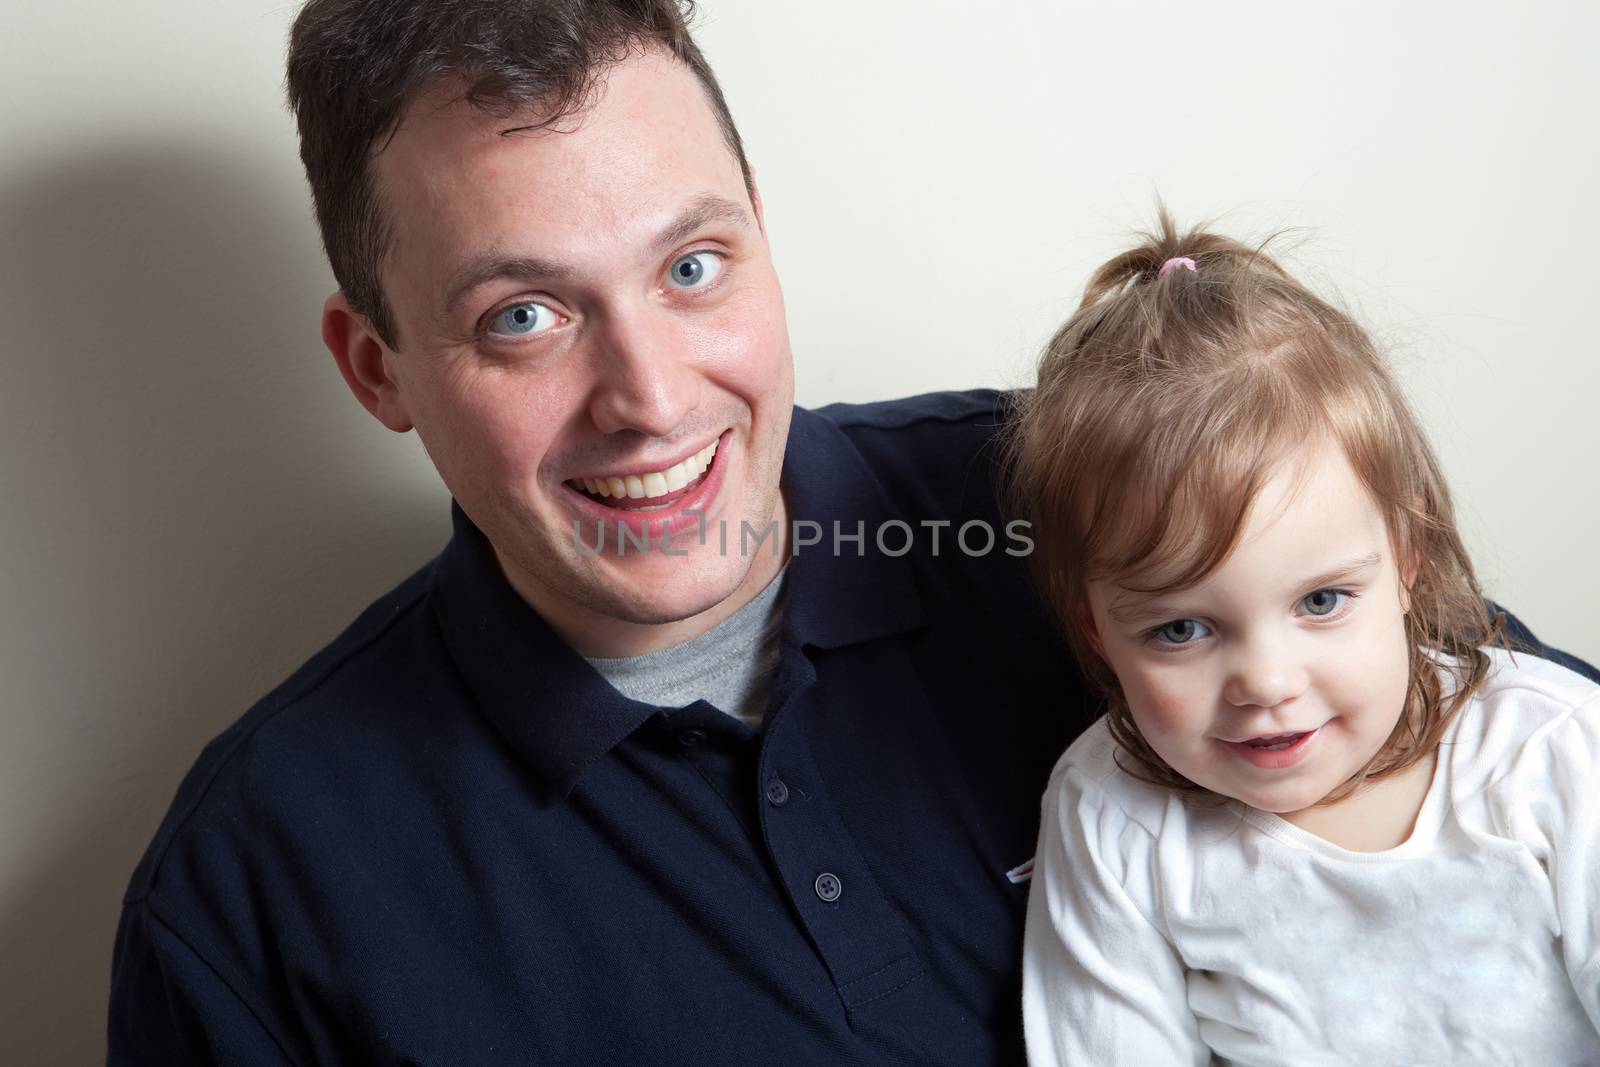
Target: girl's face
(1281,674)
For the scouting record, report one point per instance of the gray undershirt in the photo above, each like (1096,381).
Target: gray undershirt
(727,666)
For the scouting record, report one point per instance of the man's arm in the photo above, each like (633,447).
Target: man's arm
(1522,637)
(171,1008)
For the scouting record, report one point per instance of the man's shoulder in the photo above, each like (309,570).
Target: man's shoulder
(977,408)
(294,741)
(928,431)
(936,453)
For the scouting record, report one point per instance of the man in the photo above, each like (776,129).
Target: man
(548,804)
(716,733)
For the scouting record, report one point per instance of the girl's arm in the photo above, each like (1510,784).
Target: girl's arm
(1549,797)
(1572,818)
(1100,984)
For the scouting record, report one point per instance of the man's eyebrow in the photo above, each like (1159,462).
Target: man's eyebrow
(704,210)
(492,264)
(487,266)
(1134,609)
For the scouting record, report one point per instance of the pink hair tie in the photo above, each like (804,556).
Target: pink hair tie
(1175,261)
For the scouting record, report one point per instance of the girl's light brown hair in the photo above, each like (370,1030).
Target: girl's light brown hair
(1163,406)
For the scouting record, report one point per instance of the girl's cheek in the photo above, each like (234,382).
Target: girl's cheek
(1166,708)
(1375,660)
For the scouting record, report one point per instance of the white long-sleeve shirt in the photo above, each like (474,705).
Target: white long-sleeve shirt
(1162,932)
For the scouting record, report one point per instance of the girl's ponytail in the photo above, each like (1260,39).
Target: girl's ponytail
(1142,264)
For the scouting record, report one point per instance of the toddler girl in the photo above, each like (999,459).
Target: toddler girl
(1327,817)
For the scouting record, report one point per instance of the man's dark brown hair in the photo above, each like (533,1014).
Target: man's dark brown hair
(355,65)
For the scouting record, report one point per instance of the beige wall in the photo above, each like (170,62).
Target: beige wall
(192,502)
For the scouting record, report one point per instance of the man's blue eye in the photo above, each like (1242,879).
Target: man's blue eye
(528,317)
(1324,601)
(694,271)
(1180,632)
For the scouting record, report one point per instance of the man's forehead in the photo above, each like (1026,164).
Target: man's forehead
(642,151)
(650,92)
(440,141)
(645,115)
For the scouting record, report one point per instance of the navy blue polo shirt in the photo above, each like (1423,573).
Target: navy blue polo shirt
(446,840)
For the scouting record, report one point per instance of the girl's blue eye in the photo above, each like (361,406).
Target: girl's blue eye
(1179,632)
(695,270)
(522,319)
(1324,601)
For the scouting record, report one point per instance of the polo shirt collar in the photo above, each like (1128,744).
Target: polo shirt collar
(560,716)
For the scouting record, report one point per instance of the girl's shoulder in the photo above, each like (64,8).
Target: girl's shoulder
(1524,672)
(1091,778)
(1093,765)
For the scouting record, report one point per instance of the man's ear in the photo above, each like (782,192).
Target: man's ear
(365,362)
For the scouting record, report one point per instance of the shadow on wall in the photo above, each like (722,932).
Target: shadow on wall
(193,504)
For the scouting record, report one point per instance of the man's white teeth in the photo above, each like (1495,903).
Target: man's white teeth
(653,483)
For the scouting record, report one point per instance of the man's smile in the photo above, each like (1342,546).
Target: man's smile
(653,488)
(654,513)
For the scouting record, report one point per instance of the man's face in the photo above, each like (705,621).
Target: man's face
(586,310)
(1281,674)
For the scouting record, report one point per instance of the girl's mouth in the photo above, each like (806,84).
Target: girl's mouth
(1275,742)
(1276,752)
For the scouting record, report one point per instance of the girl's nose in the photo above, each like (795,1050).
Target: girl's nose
(1264,675)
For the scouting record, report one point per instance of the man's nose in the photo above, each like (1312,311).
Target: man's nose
(646,376)
(1265,672)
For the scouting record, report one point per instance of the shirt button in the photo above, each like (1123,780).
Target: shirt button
(829,887)
(691,738)
(777,793)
